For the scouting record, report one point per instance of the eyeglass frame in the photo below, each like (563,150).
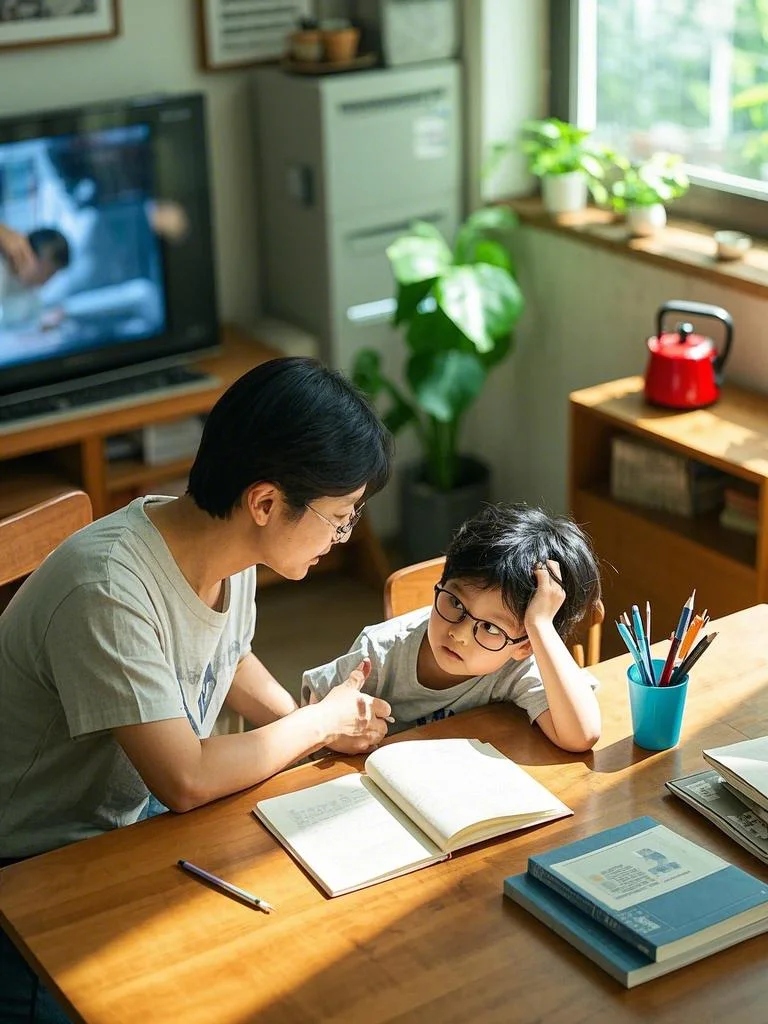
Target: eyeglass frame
(340,533)
(466,613)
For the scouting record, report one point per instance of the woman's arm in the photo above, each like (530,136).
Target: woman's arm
(256,694)
(184,771)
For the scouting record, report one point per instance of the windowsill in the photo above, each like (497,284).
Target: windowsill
(682,246)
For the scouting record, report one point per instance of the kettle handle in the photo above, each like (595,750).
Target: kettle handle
(701,309)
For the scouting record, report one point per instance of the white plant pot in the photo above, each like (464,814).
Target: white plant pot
(646,220)
(564,193)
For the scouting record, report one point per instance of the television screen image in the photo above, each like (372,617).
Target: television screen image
(88,205)
(117,283)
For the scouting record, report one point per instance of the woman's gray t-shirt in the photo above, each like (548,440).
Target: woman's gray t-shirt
(106,633)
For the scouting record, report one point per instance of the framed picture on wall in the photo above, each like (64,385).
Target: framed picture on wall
(236,33)
(42,22)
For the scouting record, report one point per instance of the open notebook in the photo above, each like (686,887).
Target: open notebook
(419,801)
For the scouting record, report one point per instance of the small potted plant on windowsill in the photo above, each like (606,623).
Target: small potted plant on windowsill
(456,308)
(569,164)
(645,187)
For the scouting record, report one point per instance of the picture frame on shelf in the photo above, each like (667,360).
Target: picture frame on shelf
(247,32)
(48,22)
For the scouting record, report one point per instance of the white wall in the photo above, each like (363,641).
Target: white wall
(157,52)
(513,87)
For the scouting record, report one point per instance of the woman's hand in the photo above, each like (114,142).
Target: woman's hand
(17,250)
(549,594)
(355,721)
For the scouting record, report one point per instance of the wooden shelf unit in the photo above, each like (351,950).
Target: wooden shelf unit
(39,461)
(656,556)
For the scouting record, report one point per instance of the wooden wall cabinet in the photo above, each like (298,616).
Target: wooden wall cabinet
(658,556)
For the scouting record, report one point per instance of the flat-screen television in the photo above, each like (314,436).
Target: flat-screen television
(113,199)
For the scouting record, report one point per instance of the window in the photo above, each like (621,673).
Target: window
(687,76)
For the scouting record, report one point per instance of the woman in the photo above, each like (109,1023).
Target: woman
(119,652)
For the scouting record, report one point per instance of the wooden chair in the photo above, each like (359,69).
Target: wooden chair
(28,536)
(412,587)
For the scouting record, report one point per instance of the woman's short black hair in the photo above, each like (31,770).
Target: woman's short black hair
(501,544)
(294,423)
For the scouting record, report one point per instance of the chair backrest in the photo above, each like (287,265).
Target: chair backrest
(28,536)
(412,587)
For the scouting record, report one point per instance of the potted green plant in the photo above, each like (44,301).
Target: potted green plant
(569,164)
(643,189)
(456,307)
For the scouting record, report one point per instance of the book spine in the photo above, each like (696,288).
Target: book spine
(586,905)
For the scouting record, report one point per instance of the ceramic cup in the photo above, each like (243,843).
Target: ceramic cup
(657,711)
(731,245)
(340,45)
(306,45)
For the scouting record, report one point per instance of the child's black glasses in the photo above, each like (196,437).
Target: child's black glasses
(487,634)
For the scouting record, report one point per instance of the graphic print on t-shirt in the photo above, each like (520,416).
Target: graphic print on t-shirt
(206,692)
(198,694)
(436,716)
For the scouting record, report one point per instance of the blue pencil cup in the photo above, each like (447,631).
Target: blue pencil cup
(657,711)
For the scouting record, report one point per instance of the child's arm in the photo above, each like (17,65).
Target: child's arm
(318,682)
(17,250)
(572,720)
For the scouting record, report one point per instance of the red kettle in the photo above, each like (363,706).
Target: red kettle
(685,369)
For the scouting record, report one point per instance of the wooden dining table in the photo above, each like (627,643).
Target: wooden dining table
(122,936)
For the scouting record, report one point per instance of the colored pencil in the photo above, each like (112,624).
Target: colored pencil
(642,643)
(690,636)
(666,672)
(685,667)
(685,617)
(626,636)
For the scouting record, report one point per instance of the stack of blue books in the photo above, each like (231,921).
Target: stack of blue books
(640,900)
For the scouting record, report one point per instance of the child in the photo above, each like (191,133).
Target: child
(20,302)
(495,631)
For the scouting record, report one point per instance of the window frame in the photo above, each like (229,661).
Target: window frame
(705,204)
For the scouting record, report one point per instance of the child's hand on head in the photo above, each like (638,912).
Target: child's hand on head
(549,594)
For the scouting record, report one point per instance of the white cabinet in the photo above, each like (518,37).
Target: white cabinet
(345,163)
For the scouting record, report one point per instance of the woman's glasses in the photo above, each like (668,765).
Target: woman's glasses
(487,634)
(341,533)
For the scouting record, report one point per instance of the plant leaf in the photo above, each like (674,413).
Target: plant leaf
(366,372)
(416,257)
(446,384)
(485,250)
(367,375)
(433,332)
(483,301)
(491,220)
(408,298)
(501,348)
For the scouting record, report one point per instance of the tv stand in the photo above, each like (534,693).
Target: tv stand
(39,461)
